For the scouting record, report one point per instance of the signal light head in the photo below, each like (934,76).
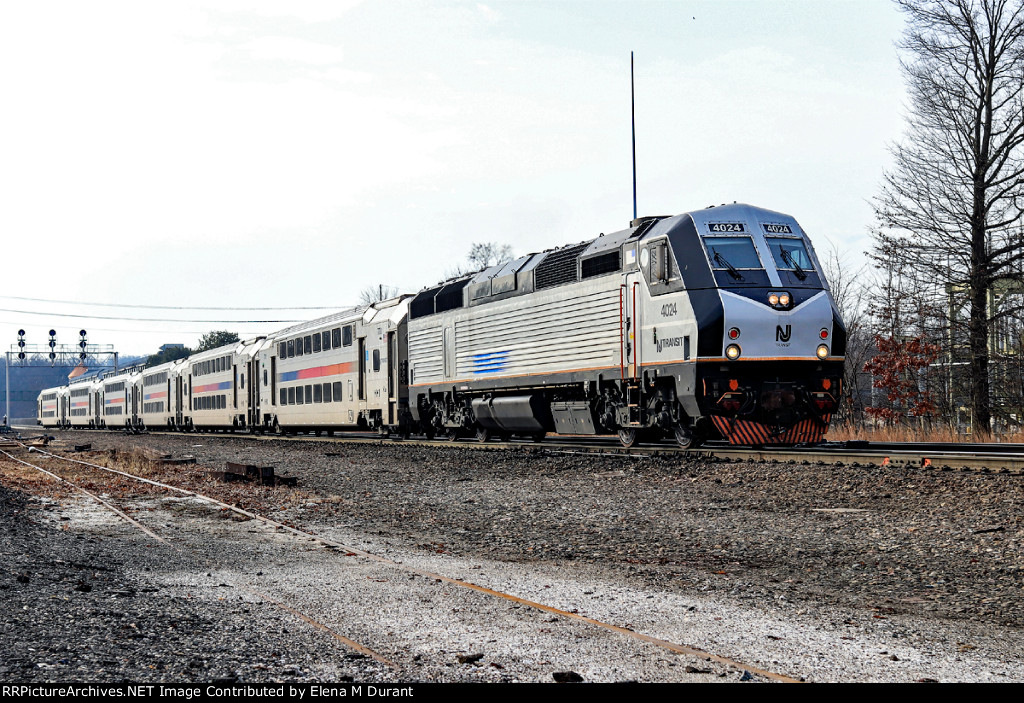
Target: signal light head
(53,333)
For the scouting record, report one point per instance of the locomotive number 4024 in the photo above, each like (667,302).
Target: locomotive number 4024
(727,227)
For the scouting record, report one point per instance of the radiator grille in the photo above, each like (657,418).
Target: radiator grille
(559,267)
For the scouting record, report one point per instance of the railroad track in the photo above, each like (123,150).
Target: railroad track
(305,537)
(108,505)
(998,458)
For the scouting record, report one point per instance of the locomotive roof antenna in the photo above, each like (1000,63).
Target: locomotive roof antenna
(632,105)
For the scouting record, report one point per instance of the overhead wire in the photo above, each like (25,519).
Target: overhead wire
(241,333)
(171,307)
(147,319)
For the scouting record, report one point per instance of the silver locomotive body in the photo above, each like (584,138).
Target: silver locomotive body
(716,322)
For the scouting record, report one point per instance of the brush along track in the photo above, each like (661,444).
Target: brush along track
(945,456)
(304,536)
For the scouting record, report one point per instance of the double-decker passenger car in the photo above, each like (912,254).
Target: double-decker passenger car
(161,396)
(338,372)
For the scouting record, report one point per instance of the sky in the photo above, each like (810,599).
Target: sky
(257,155)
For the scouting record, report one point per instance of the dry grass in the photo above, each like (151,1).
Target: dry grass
(901,433)
(145,463)
(19,477)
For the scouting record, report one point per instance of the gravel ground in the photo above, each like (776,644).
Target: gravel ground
(821,572)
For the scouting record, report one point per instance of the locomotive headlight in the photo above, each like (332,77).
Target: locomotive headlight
(732,352)
(773,299)
(822,351)
(784,300)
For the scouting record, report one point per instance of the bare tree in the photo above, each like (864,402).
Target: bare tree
(481,255)
(953,201)
(850,289)
(377,293)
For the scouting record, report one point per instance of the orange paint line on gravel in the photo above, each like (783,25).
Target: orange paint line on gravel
(671,646)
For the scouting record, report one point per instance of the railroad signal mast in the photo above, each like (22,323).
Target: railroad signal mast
(99,356)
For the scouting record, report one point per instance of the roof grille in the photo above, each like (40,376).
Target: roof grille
(559,267)
(603,263)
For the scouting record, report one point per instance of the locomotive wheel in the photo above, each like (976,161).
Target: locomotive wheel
(482,434)
(628,436)
(685,437)
(538,436)
(453,435)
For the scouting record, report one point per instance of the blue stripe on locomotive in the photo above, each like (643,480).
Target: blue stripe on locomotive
(492,362)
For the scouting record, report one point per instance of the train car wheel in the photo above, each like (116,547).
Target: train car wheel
(627,437)
(453,435)
(482,434)
(538,436)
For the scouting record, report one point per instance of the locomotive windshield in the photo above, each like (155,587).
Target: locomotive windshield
(790,254)
(731,253)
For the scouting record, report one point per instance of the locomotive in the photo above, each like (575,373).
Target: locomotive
(716,323)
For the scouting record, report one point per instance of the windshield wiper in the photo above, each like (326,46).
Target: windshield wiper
(722,261)
(788,258)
